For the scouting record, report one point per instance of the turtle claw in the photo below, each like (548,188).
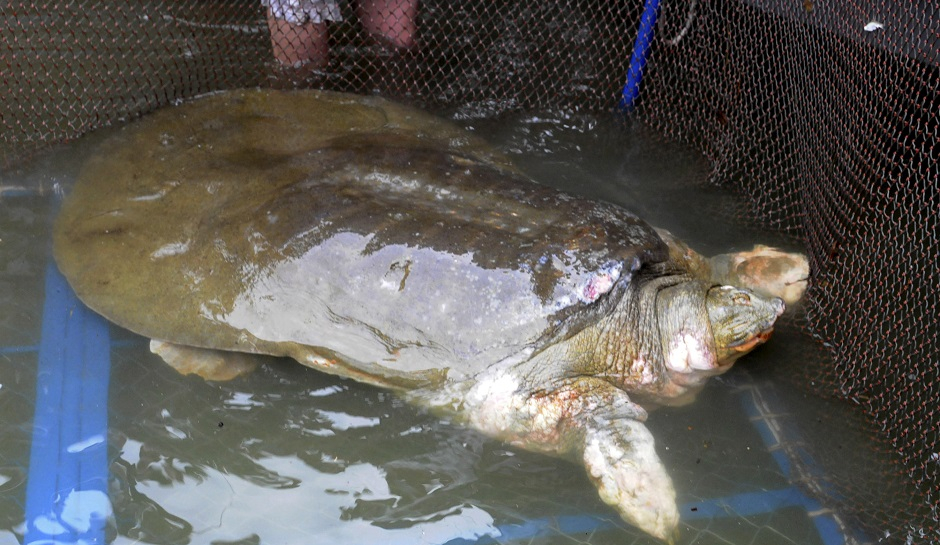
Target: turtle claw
(629,476)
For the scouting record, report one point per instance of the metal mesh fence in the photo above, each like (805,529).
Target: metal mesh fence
(823,116)
(831,132)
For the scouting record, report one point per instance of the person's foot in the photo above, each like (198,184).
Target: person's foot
(299,45)
(390,21)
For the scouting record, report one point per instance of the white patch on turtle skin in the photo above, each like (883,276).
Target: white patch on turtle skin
(151,197)
(258,242)
(312,360)
(500,405)
(441,193)
(601,281)
(598,285)
(223,250)
(193,277)
(687,352)
(491,401)
(545,415)
(499,408)
(494,401)
(212,310)
(313,231)
(643,370)
(171,249)
(396,182)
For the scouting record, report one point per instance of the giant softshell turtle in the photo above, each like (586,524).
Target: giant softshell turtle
(376,242)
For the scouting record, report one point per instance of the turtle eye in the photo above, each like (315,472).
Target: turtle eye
(741,298)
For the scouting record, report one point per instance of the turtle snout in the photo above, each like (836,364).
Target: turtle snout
(775,308)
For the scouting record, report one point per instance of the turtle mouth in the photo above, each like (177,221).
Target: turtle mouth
(750,344)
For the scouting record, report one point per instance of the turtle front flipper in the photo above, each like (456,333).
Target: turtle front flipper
(585,419)
(621,460)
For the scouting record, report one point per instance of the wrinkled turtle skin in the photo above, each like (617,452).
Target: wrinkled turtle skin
(379,243)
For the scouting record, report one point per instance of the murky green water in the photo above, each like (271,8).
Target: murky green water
(291,456)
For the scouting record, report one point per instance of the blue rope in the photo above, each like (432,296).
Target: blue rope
(746,504)
(828,528)
(644,39)
(67,486)
(26,348)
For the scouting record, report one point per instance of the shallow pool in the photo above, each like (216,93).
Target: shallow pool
(288,455)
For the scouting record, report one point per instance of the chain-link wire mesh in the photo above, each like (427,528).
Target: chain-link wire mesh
(823,116)
(826,119)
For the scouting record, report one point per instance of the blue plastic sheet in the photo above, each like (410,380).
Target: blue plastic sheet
(66,493)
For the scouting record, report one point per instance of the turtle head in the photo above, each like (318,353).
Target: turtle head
(740,320)
(704,328)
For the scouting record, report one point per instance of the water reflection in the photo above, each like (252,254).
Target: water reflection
(320,506)
(287,454)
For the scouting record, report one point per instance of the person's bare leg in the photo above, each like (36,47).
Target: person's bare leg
(296,45)
(391,21)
